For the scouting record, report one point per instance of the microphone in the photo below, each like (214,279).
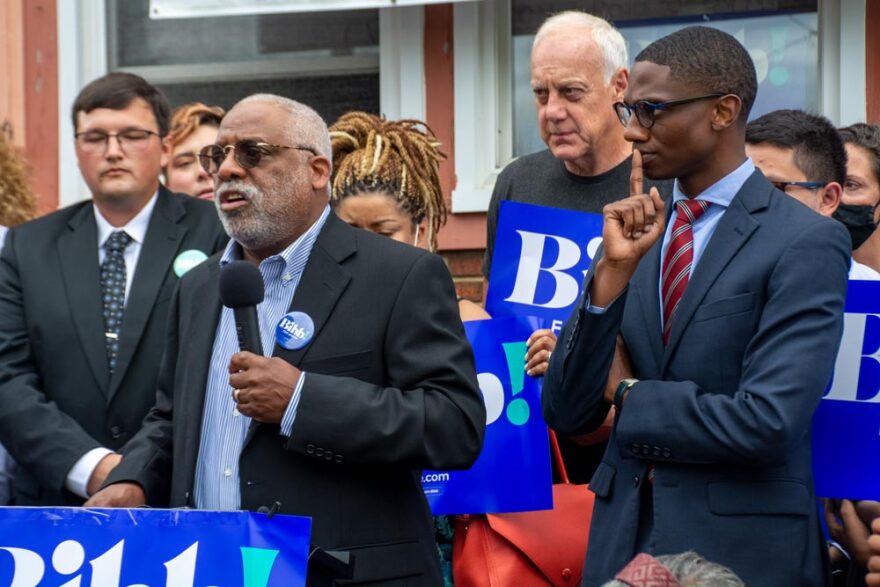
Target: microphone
(241,289)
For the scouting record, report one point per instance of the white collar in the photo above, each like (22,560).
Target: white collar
(136,227)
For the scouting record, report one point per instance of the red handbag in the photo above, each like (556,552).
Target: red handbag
(527,549)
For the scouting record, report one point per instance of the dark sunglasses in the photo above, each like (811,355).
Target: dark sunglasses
(810,185)
(646,111)
(247,154)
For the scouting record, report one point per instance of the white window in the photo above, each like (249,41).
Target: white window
(370,59)
(809,54)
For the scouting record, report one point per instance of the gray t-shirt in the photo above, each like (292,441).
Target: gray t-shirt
(543,180)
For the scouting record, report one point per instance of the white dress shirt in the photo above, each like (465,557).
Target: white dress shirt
(79,475)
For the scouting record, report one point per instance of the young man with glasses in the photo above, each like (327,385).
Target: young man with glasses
(85,294)
(803,155)
(337,425)
(731,307)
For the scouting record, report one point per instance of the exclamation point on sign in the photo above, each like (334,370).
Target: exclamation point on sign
(518,408)
(257,564)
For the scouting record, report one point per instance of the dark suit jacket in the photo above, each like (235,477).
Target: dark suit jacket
(724,411)
(57,400)
(391,389)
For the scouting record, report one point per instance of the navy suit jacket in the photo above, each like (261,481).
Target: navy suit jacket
(724,411)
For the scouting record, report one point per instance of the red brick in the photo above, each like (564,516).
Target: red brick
(465,263)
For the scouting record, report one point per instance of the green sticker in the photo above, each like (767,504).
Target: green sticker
(187,260)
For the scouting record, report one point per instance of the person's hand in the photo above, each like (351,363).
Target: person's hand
(540,345)
(99,475)
(262,386)
(621,368)
(873,578)
(868,510)
(847,528)
(118,495)
(634,224)
(631,227)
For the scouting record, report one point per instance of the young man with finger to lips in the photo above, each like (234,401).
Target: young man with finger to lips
(729,299)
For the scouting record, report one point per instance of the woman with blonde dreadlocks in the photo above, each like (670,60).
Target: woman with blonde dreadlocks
(385,179)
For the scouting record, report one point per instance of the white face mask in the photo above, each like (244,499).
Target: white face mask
(416,239)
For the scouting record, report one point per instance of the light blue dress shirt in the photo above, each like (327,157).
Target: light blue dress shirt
(720,194)
(224,429)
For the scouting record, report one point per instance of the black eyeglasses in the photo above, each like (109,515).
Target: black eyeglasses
(247,153)
(810,185)
(646,111)
(129,139)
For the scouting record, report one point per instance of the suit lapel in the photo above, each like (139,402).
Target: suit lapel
(78,256)
(163,237)
(200,337)
(320,287)
(732,232)
(649,300)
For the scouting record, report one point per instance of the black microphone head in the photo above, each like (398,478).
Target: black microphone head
(241,285)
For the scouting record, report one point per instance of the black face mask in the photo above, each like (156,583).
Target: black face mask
(859,221)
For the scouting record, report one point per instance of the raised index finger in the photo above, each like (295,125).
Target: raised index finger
(636,176)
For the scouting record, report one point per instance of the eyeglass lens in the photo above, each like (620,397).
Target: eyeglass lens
(246,153)
(132,139)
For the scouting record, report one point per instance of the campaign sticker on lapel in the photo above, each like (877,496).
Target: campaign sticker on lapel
(294,331)
(187,260)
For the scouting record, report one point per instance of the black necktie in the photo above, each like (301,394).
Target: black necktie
(113,290)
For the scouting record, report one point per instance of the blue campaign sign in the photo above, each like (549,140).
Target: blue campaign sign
(512,473)
(69,547)
(846,427)
(540,259)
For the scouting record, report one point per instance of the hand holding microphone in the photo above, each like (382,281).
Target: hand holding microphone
(261,386)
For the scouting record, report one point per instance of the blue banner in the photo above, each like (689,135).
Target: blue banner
(846,427)
(155,548)
(512,473)
(540,259)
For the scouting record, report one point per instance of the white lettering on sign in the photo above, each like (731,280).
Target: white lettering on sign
(493,395)
(68,558)
(566,288)
(848,365)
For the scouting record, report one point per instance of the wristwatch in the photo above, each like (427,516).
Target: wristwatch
(622,387)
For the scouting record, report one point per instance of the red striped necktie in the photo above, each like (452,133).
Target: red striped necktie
(679,258)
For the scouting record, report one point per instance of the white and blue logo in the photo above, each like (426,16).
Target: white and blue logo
(72,547)
(294,331)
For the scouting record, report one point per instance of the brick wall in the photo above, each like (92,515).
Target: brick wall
(465,267)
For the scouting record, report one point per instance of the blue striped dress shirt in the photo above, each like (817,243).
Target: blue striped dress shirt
(720,194)
(223,427)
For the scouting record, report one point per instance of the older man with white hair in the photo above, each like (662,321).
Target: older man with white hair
(336,422)
(578,73)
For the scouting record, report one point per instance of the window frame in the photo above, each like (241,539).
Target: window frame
(84,55)
(483,61)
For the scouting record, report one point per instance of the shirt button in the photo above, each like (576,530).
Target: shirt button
(635,480)
(235,412)
(227,472)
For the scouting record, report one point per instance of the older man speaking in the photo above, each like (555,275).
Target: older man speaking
(338,425)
